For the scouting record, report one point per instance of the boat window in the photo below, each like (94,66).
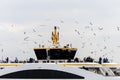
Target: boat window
(41,54)
(41,74)
(61,54)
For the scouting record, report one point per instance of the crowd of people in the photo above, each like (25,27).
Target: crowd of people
(90,59)
(76,60)
(7,60)
(104,60)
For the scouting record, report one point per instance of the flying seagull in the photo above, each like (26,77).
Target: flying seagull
(91,23)
(118,28)
(26,38)
(24,32)
(34,30)
(100,28)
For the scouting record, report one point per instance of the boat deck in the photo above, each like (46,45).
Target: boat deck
(68,64)
(91,64)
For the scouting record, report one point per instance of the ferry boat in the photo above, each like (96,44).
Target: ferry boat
(56,52)
(58,63)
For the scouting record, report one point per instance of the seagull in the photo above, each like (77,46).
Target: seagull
(108,37)
(100,28)
(62,21)
(75,30)
(118,28)
(39,45)
(42,25)
(47,19)
(26,38)
(24,52)
(87,26)
(49,41)
(90,43)
(81,37)
(40,35)
(91,23)
(82,47)
(118,46)
(91,29)
(101,50)
(105,47)
(2,50)
(58,27)
(34,30)
(83,43)
(78,33)
(24,32)
(35,42)
(76,22)
(91,52)
(94,34)
(12,25)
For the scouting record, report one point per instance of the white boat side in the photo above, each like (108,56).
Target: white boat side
(53,66)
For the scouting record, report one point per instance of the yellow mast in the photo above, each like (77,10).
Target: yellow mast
(55,36)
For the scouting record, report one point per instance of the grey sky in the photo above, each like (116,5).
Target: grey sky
(19,16)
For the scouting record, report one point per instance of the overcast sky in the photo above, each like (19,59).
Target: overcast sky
(92,26)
